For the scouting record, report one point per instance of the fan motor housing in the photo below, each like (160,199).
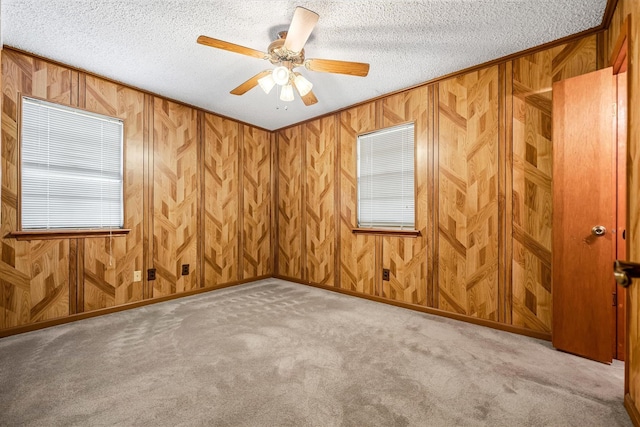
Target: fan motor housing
(279,54)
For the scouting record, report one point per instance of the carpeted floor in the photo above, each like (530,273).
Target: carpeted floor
(274,353)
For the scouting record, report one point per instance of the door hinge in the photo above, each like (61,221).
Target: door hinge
(615,299)
(615,109)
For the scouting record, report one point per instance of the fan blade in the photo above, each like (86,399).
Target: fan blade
(236,48)
(340,67)
(309,98)
(250,84)
(300,29)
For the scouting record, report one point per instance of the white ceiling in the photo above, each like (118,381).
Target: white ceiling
(151,44)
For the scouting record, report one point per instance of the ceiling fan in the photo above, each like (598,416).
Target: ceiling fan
(287,54)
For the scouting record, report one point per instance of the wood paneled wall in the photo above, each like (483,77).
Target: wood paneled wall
(483,194)
(467,216)
(256,213)
(196,191)
(34,275)
(221,172)
(290,212)
(108,264)
(320,234)
(631,9)
(358,261)
(406,258)
(533,76)
(175,197)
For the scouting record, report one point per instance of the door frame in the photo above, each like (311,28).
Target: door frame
(619,62)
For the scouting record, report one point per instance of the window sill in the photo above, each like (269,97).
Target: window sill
(66,234)
(387,232)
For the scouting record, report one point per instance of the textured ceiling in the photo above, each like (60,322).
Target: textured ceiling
(151,44)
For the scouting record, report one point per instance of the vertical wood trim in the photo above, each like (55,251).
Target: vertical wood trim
(145,193)
(337,201)
(82,90)
(436,195)
(18,164)
(200,240)
(2,303)
(148,195)
(75,77)
(378,266)
(275,246)
(600,50)
(628,318)
(502,217)
(508,205)
(379,114)
(72,95)
(73,276)
(150,192)
(630,299)
(303,211)
(80,276)
(2,286)
(501,192)
(616,205)
(378,242)
(240,257)
(621,207)
(430,201)
(276,208)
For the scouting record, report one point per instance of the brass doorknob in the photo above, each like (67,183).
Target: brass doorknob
(598,230)
(624,271)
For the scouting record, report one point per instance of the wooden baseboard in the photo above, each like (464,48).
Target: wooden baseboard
(74,317)
(100,312)
(632,410)
(482,322)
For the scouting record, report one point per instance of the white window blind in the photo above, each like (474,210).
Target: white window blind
(71,168)
(386,178)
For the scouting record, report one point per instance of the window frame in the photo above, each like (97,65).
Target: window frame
(64,233)
(398,232)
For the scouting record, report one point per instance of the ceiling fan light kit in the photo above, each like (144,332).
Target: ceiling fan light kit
(287,53)
(267,83)
(280,75)
(287,93)
(303,85)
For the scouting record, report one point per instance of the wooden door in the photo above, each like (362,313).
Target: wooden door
(584,196)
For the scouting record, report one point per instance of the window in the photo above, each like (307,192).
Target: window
(71,168)
(386,178)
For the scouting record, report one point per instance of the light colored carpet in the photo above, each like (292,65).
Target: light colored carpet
(274,353)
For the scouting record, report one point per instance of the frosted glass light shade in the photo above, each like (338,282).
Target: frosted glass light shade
(267,83)
(303,85)
(287,93)
(280,75)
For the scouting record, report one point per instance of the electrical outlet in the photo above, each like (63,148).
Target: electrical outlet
(185,269)
(137,276)
(385,274)
(151,274)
